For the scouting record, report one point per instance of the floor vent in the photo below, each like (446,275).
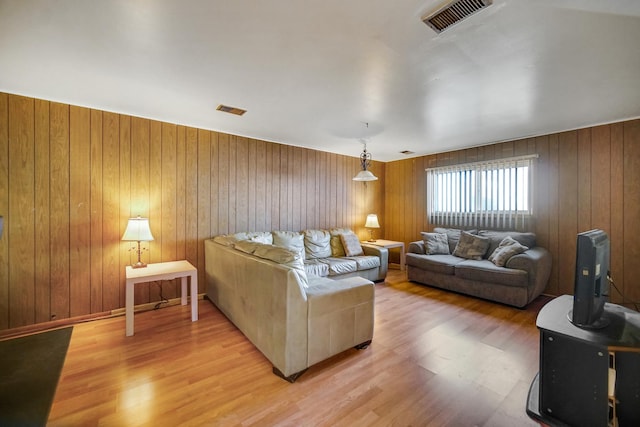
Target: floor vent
(454,12)
(231,110)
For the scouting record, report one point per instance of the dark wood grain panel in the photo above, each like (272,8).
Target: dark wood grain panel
(79,211)
(140,189)
(631,223)
(127,256)
(191,195)
(584,180)
(204,199)
(155,202)
(4,209)
(600,195)
(60,224)
(96,246)
(20,218)
(169,209)
(617,213)
(111,211)
(568,209)
(42,213)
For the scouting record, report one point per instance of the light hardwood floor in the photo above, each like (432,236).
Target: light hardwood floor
(437,359)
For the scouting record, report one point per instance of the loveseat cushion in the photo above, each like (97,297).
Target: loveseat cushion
(495,237)
(443,264)
(314,267)
(365,262)
(317,243)
(471,246)
(486,271)
(339,266)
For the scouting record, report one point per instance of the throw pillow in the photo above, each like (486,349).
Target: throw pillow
(508,247)
(337,250)
(351,244)
(435,243)
(471,246)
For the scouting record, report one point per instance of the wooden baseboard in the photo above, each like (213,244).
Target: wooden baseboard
(55,324)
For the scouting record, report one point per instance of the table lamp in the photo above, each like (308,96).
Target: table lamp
(138,231)
(372,222)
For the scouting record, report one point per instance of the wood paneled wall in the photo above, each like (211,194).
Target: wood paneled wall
(70,177)
(588,178)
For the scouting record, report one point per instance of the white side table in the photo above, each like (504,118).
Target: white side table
(161,271)
(390,244)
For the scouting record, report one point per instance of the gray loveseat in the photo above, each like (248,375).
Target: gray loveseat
(294,310)
(521,279)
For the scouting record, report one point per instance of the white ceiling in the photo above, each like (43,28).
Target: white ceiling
(313,73)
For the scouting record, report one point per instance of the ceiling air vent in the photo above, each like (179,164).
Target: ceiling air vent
(454,12)
(231,110)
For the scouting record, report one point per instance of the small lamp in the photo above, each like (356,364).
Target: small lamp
(372,222)
(138,231)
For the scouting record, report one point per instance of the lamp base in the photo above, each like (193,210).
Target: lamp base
(139,264)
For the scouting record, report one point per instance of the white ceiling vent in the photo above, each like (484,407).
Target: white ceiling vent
(453,12)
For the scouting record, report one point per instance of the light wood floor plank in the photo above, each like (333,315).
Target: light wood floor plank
(437,359)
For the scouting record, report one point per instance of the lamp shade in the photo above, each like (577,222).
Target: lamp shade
(138,230)
(365,175)
(372,221)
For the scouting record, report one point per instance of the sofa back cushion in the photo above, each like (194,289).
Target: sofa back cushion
(317,244)
(291,240)
(283,256)
(495,237)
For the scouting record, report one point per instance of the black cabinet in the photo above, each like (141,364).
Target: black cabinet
(587,377)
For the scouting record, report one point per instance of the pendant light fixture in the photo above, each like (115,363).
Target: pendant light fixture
(365,160)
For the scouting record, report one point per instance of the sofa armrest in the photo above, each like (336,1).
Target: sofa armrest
(380,252)
(416,247)
(537,263)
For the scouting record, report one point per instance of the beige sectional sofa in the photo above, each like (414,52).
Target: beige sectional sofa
(515,279)
(297,315)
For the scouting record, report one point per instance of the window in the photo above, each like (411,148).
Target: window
(491,194)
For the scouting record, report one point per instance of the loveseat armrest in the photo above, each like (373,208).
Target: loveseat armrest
(537,263)
(380,252)
(417,247)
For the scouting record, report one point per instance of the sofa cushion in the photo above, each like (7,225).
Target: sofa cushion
(247,246)
(525,239)
(507,248)
(453,235)
(317,243)
(443,264)
(283,256)
(225,240)
(291,240)
(337,250)
(351,244)
(339,266)
(254,236)
(435,243)
(471,246)
(486,271)
(314,267)
(365,262)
